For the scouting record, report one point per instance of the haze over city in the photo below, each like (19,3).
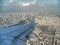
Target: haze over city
(30,22)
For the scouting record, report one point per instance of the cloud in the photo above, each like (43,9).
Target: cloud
(33,2)
(55,1)
(25,4)
(10,1)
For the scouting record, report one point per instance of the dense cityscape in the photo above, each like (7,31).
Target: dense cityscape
(45,15)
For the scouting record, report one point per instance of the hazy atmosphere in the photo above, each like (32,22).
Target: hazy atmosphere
(29,22)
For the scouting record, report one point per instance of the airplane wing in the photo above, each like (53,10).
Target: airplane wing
(9,34)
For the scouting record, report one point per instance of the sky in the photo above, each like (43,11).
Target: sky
(10,1)
(7,2)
